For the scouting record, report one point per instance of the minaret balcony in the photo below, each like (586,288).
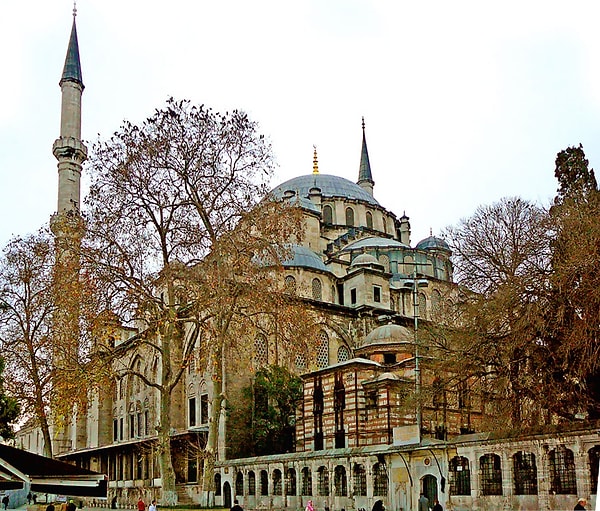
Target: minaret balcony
(69,148)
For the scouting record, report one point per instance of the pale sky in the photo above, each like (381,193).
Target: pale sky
(464,102)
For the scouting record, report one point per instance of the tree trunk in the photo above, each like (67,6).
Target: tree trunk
(167,472)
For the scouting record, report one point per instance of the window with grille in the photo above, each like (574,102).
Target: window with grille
(422,309)
(349,216)
(594,458)
(290,482)
(340,482)
(343,354)
(204,409)
(218,484)
(317,290)
(306,481)
(360,480)
(392,304)
(464,397)
(380,480)
(490,474)
(323,481)
(460,476)
(562,471)
(436,300)
(525,473)
(323,350)
(192,411)
(290,285)
(251,483)
(300,362)
(327,215)
(239,483)
(277,485)
(369,220)
(264,482)
(261,356)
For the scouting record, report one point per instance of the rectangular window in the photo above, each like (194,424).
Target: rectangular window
(376,294)
(192,411)
(115,430)
(204,409)
(132,426)
(121,428)
(147,422)
(140,425)
(353,296)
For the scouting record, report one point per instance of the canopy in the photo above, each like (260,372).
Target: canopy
(46,475)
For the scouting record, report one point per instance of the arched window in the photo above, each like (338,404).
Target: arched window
(264,482)
(317,290)
(460,476)
(290,482)
(422,310)
(239,483)
(436,300)
(562,471)
(261,351)
(323,350)
(594,458)
(277,486)
(490,474)
(290,285)
(218,484)
(380,480)
(327,215)
(306,481)
(360,480)
(251,483)
(369,220)
(349,217)
(343,354)
(384,260)
(340,482)
(525,473)
(323,481)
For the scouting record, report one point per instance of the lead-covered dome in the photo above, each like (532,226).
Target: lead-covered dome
(303,257)
(388,334)
(330,186)
(433,243)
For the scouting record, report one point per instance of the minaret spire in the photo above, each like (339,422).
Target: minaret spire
(365,178)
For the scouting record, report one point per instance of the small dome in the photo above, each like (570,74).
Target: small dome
(433,243)
(305,258)
(388,334)
(364,260)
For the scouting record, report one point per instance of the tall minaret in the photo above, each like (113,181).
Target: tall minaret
(365,179)
(68,149)
(68,228)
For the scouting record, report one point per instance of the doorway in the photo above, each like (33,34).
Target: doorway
(429,488)
(226,494)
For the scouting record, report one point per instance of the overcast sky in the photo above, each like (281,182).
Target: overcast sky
(464,102)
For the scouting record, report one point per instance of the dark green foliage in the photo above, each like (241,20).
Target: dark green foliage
(9,409)
(272,400)
(575,179)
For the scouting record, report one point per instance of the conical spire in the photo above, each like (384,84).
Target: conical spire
(365,178)
(315,161)
(72,69)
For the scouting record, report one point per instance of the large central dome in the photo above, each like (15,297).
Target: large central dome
(330,186)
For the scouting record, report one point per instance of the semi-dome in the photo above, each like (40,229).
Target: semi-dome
(388,334)
(330,186)
(373,242)
(304,257)
(433,243)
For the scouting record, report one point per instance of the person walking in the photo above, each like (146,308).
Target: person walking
(5,501)
(423,503)
(437,506)
(309,506)
(580,504)
(152,506)
(140,505)
(236,506)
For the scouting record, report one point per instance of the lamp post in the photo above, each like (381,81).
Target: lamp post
(415,283)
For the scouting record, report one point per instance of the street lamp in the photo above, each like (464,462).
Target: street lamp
(415,283)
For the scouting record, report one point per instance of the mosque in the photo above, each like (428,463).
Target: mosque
(356,441)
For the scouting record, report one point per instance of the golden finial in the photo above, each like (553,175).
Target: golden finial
(74,8)
(315,161)
(363,123)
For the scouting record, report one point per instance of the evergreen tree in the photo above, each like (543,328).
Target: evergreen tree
(9,409)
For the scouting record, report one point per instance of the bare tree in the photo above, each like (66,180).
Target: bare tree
(187,246)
